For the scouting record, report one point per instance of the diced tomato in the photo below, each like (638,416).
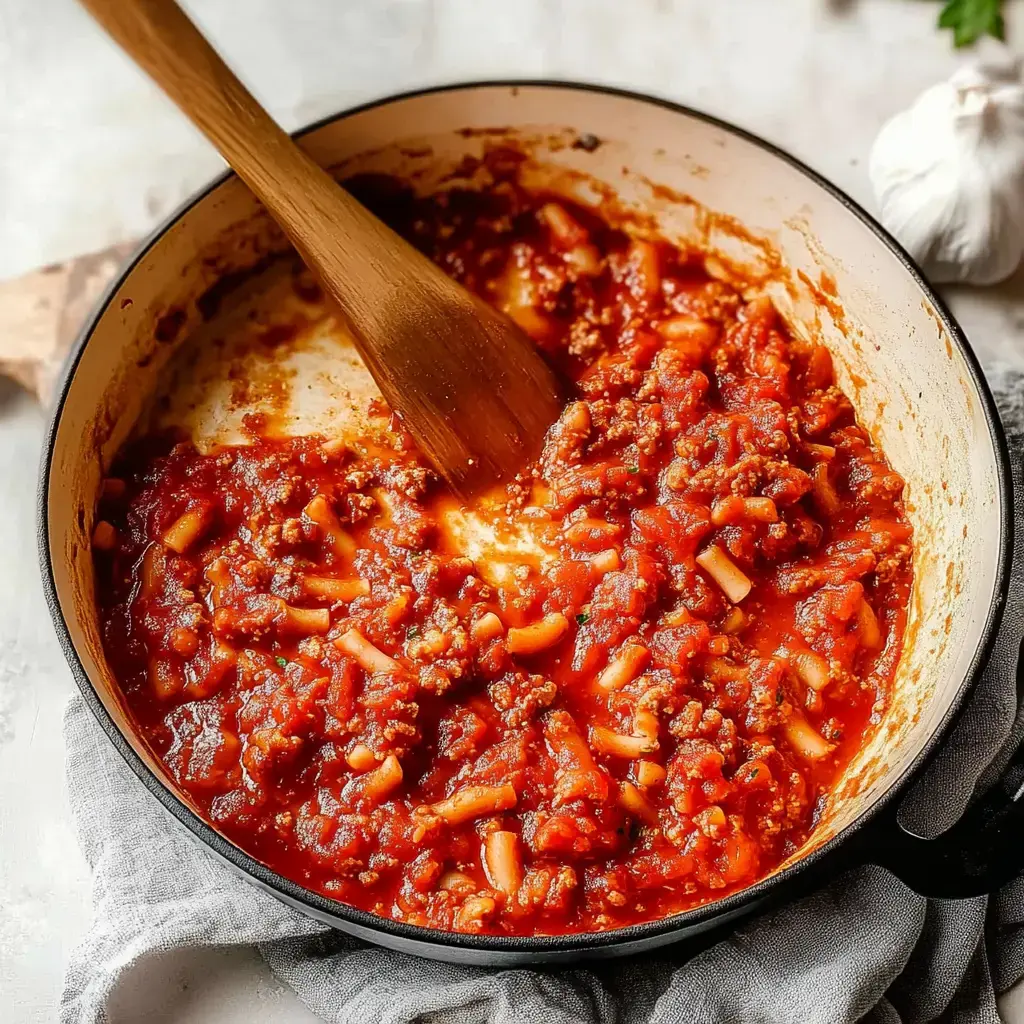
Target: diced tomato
(675,646)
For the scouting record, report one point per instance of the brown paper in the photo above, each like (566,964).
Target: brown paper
(42,313)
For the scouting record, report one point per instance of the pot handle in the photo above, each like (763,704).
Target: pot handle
(981,853)
(984,849)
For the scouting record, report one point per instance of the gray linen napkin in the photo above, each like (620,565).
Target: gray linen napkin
(863,948)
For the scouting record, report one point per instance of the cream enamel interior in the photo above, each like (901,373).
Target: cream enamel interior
(907,379)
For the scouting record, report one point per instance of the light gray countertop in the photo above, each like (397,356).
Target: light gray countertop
(90,155)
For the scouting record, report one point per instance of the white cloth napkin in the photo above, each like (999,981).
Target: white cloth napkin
(863,948)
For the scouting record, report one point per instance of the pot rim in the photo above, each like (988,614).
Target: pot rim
(325,908)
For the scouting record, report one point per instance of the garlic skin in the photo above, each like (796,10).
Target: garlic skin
(948,174)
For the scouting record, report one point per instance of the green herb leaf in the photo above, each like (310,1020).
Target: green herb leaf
(583,618)
(412,632)
(633,469)
(972,19)
(283,662)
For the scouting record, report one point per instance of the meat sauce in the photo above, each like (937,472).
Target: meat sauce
(641,711)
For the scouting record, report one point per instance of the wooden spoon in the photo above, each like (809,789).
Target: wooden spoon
(468,384)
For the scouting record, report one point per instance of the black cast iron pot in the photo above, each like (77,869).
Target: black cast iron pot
(907,365)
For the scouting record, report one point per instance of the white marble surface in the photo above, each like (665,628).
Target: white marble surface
(90,154)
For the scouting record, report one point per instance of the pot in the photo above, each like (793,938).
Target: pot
(899,356)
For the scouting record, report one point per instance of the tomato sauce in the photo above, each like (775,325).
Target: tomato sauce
(637,705)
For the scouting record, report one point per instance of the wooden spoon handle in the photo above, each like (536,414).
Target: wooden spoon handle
(299,194)
(475,394)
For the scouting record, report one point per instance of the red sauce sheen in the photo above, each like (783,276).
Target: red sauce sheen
(645,718)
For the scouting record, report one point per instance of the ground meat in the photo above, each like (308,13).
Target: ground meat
(520,698)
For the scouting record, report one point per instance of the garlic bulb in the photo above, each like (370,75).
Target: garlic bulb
(948,174)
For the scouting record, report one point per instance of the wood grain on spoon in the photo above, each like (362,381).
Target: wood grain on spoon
(469,385)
